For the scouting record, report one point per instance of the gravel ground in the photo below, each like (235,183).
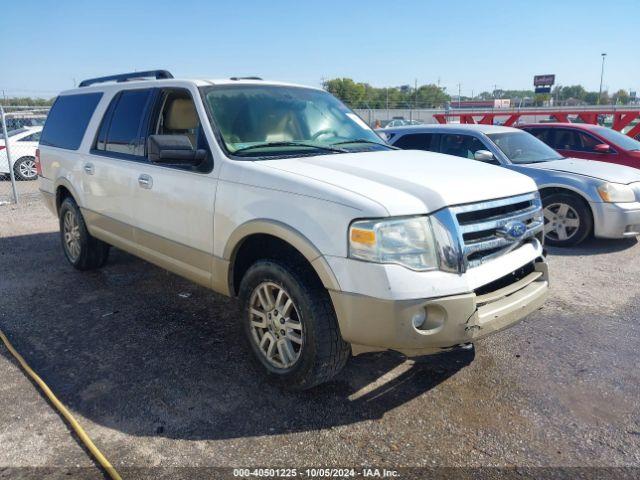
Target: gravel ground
(155,369)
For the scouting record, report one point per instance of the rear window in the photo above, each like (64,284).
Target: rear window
(68,120)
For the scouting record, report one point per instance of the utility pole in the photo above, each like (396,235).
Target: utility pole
(601,77)
(387,92)
(459,90)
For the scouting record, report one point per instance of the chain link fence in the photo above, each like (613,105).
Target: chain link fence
(20,129)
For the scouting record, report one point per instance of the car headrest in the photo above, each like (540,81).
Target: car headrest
(181,115)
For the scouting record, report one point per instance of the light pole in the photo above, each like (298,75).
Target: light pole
(601,77)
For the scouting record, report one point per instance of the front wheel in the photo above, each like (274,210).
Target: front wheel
(82,250)
(290,325)
(567,220)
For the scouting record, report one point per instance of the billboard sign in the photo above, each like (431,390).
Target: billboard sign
(543,90)
(544,80)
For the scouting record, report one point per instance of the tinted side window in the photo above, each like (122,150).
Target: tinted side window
(415,141)
(68,120)
(541,134)
(124,134)
(565,139)
(101,141)
(461,145)
(587,143)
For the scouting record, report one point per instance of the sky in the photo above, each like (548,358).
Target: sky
(48,46)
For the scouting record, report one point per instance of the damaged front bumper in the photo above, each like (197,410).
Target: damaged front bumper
(427,326)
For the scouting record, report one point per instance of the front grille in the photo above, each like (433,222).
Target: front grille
(482,226)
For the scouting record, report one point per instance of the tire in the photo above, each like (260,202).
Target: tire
(82,250)
(567,218)
(319,352)
(25,169)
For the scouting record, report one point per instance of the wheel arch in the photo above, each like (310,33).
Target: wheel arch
(566,189)
(551,189)
(257,238)
(63,190)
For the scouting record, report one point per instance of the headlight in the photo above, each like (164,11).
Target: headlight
(408,242)
(616,192)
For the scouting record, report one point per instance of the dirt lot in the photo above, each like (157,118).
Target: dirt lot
(155,369)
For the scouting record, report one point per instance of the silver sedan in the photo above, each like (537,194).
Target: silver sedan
(580,197)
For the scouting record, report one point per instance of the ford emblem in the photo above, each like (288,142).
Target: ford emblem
(513,230)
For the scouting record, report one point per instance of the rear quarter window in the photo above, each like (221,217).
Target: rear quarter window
(68,120)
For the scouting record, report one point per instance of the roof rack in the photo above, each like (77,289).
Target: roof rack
(125,77)
(245,78)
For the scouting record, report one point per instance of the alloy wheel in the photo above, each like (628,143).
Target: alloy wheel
(71,234)
(275,325)
(561,222)
(27,169)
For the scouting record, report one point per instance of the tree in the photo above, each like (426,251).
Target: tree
(363,95)
(541,99)
(621,96)
(26,101)
(346,90)
(430,96)
(576,92)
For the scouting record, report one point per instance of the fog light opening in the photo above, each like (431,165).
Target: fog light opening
(419,319)
(632,229)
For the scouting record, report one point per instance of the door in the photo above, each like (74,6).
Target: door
(464,146)
(575,143)
(173,204)
(110,168)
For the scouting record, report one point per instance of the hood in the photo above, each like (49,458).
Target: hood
(409,182)
(609,172)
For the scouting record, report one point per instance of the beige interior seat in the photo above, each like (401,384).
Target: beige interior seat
(182,118)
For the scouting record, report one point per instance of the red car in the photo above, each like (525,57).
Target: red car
(591,142)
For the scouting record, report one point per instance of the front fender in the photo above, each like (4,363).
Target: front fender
(289,235)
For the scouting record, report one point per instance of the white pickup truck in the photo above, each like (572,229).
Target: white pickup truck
(334,242)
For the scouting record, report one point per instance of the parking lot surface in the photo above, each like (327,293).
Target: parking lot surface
(155,369)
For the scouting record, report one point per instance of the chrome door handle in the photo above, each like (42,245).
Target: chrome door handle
(145,181)
(89,169)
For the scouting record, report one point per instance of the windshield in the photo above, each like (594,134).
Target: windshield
(269,120)
(619,139)
(522,147)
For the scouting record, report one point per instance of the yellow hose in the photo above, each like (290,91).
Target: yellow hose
(84,438)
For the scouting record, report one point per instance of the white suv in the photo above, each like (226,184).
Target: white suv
(334,242)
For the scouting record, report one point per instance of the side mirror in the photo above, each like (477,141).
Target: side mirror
(173,150)
(484,156)
(602,148)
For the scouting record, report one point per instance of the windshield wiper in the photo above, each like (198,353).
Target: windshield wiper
(290,144)
(363,140)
